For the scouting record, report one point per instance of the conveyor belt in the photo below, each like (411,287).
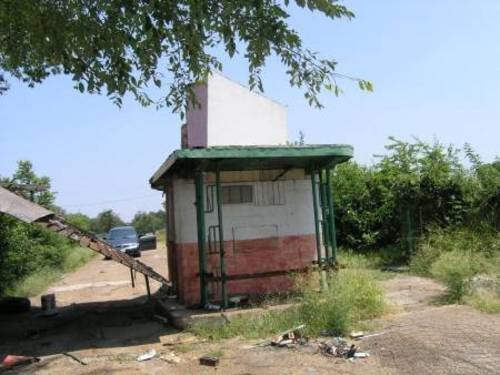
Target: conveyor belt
(29,212)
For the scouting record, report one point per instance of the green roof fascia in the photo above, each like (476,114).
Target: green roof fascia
(286,155)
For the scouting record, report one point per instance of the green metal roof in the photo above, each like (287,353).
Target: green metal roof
(236,158)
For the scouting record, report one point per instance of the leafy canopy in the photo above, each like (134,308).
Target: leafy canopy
(149,222)
(24,175)
(122,46)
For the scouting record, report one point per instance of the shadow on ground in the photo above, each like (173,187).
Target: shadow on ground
(77,327)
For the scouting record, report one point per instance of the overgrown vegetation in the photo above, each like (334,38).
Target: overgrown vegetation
(353,296)
(467,261)
(434,207)
(32,257)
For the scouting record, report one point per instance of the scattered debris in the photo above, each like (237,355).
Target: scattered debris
(291,338)
(17,360)
(147,355)
(361,355)
(170,357)
(334,347)
(356,334)
(209,361)
(339,347)
(74,358)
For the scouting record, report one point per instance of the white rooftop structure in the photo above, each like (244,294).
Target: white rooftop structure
(229,114)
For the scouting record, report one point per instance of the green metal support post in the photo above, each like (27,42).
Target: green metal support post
(218,194)
(316,216)
(331,216)
(200,221)
(325,220)
(322,274)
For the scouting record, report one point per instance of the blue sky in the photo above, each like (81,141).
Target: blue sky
(435,66)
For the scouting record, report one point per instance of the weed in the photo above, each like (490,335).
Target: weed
(455,257)
(352,296)
(485,300)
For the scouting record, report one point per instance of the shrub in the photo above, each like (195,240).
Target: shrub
(29,253)
(455,269)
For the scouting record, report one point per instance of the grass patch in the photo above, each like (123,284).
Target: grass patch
(352,296)
(37,282)
(485,300)
(371,263)
(455,257)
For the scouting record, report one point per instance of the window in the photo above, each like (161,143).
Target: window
(237,194)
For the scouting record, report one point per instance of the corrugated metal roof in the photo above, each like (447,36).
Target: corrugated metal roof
(14,205)
(185,161)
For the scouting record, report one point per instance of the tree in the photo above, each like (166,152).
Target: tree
(122,46)
(105,221)
(26,183)
(80,220)
(149,222)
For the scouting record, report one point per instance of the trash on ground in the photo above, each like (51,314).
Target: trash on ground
(17,360)
(73,357)
(170,357)
(147,355)
(209,361)
(361,355)
(356,334)
(338,347)
(291,338)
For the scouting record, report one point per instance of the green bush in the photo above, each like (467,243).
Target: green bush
(27,250)
(456,269)
(352,296)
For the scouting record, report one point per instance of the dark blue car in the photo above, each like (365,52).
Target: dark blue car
(125,239)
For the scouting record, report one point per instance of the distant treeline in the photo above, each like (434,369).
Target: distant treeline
(143,222)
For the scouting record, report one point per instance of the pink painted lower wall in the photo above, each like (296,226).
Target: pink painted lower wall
(242,257)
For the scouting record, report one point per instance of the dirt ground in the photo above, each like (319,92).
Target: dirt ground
(106,323)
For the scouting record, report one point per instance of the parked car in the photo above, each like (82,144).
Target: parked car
(125,239)
(147,241)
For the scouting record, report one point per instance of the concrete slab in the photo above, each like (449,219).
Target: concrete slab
(181,317)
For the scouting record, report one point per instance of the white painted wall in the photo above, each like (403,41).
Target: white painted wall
(248,221)
(231,115)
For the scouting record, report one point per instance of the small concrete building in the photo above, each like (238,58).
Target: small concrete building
(244,209)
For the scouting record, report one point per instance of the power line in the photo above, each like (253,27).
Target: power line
(111,201)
